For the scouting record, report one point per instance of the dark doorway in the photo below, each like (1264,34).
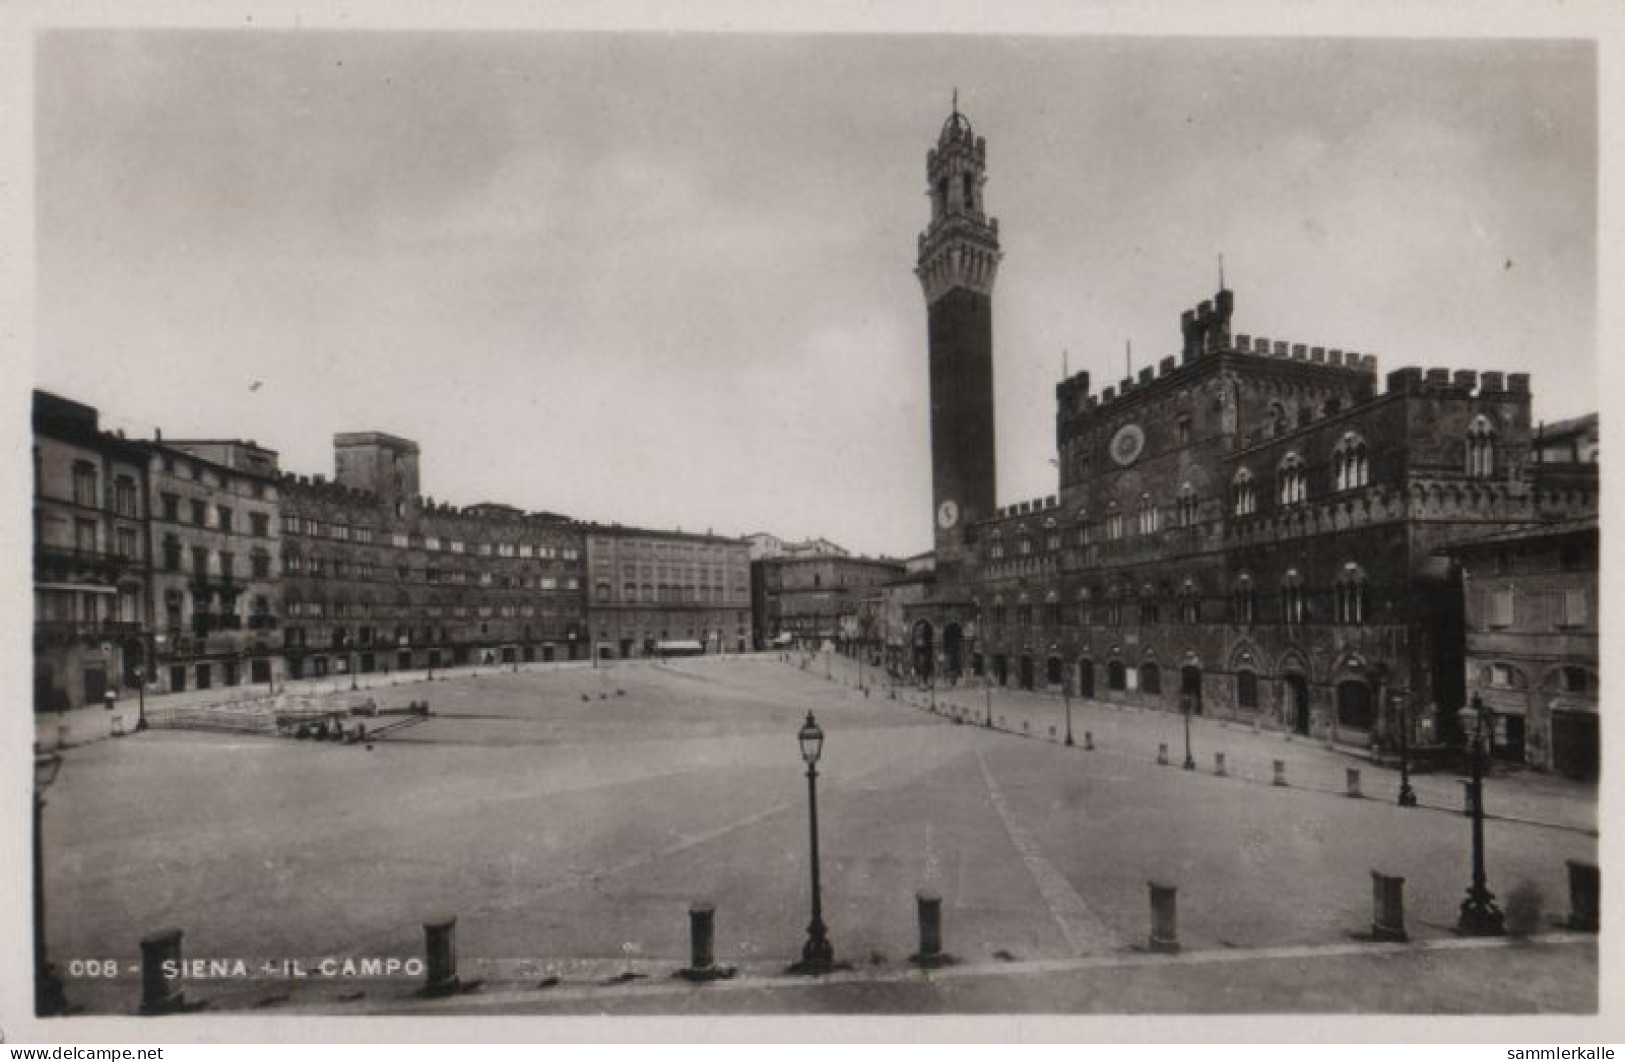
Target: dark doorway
(1354,708)
(1001,670)
(204,679)
(1026,671)
(1574,743)
(1053,674)
(1086,678)
(177,676)
(403,660)
(259,670)
(1190,685)
(924,650)
(977,664)
(1115,679)
(953,649)
(1150,677)
(231,672)
(1511,747)
(1297,703)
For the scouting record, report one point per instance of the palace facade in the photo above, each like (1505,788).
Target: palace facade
(1250,527)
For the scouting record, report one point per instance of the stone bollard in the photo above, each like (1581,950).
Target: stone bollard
(1585,892)
(440,954)
(929,908)
(1164,918)
(118,726)
(1353,780)
(158,950)
(1387,907)
(702,962)
(1218,764)
(1162,754)
(1280,773)
(1089,740)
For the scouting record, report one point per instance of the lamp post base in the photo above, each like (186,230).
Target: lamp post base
(1480,917)
(817,957)
(1407,796)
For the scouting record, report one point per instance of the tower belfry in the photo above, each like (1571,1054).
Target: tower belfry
(958,261)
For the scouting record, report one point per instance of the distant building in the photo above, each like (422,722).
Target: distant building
(1576,441)
(764,546)
(1531,633)
(377,577)
(91,561)
(664,592)
(809,599)
(216,573)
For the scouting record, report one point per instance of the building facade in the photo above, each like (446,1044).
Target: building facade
(654,592)
(216,581)
(377,577)
(91,570)
(807,600)
(1531,647)
(1247,528)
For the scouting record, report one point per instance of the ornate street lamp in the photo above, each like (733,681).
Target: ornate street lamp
(817,955)
(1479,915)
(49,997)
(1407,795)
(1066,691)
(1185,700)
(141,701)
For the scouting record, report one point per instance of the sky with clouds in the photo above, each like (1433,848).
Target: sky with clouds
(667,279)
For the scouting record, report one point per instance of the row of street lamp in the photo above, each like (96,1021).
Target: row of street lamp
(1479,914)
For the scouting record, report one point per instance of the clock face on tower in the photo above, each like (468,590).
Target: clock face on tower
(948,514)
(1127,444)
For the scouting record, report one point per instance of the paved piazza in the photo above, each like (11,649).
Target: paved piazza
(569,816)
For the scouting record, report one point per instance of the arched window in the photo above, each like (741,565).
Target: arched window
(1114,607)
(1243,494)
(1291,487)
(1480,447)
(1350,468)
(1114,522)
(1147,515)
(1350,589)
(1246,689)
(1245,597)
(1186,510)
(1190,602)
(1084,602)
(1294,603)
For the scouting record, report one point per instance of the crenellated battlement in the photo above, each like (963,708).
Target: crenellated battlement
(1027,508)
(1462,383)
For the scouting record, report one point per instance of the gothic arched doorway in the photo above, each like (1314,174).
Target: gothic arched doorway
(1086,677)
(1026,671)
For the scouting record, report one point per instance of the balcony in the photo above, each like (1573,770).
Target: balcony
(90,632)
(56,562)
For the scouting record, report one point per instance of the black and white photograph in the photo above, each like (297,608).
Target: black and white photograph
(731,520)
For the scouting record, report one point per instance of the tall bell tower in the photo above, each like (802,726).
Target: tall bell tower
(958,260)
